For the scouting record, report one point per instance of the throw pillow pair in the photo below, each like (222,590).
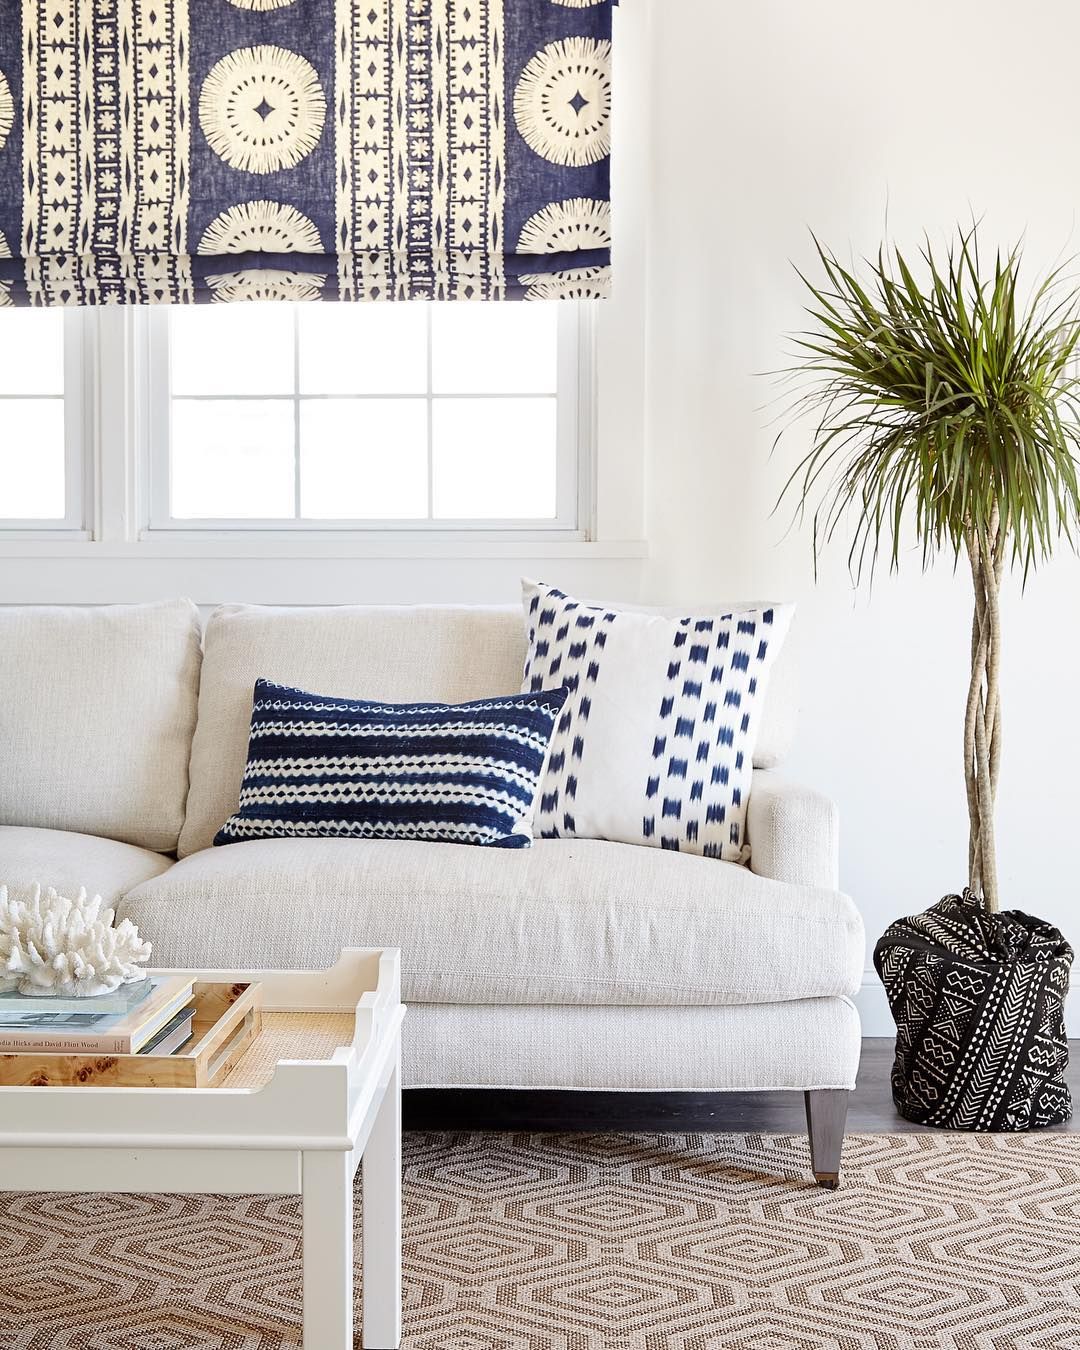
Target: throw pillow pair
(631,727)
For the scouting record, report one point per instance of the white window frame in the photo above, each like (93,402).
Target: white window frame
(79,375)
(575,451)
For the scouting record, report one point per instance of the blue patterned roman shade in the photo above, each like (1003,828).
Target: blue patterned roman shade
(201,150)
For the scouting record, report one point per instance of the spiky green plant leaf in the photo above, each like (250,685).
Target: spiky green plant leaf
(945,404)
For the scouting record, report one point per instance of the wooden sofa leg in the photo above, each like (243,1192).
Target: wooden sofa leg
(826,1113)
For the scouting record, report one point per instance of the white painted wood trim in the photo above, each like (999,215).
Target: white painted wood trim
(328,1251)
(382,1220)
(177,1171)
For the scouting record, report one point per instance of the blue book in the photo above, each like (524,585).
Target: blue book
(92,1032)
(14,1006)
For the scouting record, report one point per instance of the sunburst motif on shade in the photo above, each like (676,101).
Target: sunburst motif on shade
(562,227)
(562,102)
(570,4)
(7,110)
(5,252)
(579,283)
(261,227)
(262,109)
(256,284)
(280,4)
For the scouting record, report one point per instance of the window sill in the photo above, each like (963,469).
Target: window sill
(262,546)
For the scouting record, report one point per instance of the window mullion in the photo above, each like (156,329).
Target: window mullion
(296,412)
(80,421)
(430,419)
(112,372)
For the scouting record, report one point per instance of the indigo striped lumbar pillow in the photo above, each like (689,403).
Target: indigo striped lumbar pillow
(656,743)
(463,773)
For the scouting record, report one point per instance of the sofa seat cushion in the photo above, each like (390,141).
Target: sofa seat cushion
(565,922)
(67,861)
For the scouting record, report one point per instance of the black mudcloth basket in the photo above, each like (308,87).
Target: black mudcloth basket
(978,1000)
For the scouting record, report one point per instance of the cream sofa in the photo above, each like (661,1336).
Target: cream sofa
(574,964)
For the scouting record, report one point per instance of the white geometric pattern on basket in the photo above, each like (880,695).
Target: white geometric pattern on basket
(595,1242)
(979,1004)
(464,773)
(655,743)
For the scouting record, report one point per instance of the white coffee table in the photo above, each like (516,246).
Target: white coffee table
(316,1091)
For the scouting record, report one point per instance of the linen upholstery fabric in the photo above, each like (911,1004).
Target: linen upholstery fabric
(412,654)
(794,833)
(812,1043)
(567,921)
(655,744)
(163,150)
(463,773)
(97,711)
(67,861)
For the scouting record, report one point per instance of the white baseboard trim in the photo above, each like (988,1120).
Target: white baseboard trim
(873,1007)
(877,1020)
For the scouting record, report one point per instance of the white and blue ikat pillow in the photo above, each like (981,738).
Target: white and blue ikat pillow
(655,743)
(464,773)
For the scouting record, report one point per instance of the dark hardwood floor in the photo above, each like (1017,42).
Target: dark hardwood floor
(871,1110)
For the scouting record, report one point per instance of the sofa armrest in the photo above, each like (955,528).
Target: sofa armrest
(794,833)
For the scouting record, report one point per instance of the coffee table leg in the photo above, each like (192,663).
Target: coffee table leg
(382,1223)
(328,1251)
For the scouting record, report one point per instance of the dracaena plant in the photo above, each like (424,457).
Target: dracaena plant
(944,402)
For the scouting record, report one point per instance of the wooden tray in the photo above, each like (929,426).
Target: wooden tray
(228,1017)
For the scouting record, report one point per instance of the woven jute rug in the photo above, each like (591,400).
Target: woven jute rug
(596,1242)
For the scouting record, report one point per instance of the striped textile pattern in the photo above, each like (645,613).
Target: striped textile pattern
(656,743)
(462,773)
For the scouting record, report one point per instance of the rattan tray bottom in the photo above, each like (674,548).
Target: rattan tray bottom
(288,1035)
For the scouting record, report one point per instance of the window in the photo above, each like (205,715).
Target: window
(41,434)
(324,417)
(277,418)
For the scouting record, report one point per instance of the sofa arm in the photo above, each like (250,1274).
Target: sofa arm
(794,833)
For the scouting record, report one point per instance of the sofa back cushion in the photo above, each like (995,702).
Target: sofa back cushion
(96,718)
(411,654)
(443,653)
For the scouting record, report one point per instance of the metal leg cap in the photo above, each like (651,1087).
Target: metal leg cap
(828,1181)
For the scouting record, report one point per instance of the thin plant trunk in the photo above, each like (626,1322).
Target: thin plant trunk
(982,724)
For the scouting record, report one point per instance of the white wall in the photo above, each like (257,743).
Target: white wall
(768,119)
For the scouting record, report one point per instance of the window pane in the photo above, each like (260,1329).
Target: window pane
(231,349)
(32,459)
(494,458)
(31,351)
(363,349)
(494,349)
(364,459)
(232,460)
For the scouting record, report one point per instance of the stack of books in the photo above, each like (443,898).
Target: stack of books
(152,1017)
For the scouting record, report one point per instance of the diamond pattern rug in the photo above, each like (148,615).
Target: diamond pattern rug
(596,1242)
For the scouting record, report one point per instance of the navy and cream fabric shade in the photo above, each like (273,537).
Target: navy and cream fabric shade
(202,150)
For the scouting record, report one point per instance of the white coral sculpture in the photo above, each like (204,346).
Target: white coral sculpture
(51,945)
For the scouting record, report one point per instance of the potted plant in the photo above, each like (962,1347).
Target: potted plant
(945,410)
